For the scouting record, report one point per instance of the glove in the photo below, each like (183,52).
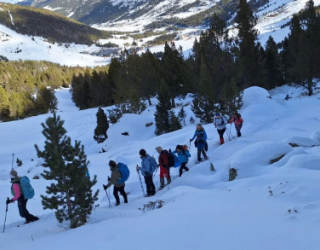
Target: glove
(104,187)
(191,140)
(8,201)
(109,178)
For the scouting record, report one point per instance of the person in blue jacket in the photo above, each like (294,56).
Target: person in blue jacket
(148,166)
(201,138)
(183,155)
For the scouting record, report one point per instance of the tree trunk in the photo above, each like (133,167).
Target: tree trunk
(149,101)
(69,206)
(173,103)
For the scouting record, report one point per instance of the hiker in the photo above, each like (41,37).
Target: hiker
(237,122)
(164,166)
(115,177)
(201,139)
(17,193)
(220,123)
(148,166)
(183,155)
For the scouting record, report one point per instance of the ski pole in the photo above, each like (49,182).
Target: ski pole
(141,183)
(155,172)
(5,218)
(110,206)
(12,160)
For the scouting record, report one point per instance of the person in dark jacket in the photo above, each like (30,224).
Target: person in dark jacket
(115,177)
(183,156)
(17,193)
(164,166)
(201,138)
(148,165)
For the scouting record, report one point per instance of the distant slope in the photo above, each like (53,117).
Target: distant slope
(50,25)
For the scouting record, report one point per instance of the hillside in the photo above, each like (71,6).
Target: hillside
(47,24)
(268,206)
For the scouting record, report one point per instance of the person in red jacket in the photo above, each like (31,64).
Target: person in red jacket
(17,194)
(164,167)
(237,122)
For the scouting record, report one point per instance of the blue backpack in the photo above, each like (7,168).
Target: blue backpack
(125,172)
(27,189)
(153,164)
(177,162)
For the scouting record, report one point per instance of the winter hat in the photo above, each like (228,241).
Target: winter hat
(142,152)
(179,147)
(217,114)
(159,149)
(13,174)
(112,164)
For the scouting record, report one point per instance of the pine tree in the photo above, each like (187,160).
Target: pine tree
(182,115)
(70,193)
(174,122)
(272,66)
(100,132)
(162,121)
(204,101)
(248,49)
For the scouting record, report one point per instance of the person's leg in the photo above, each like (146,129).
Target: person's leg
(183,166)
(147,181)
(161,177)
(167,175)
(204,154)
(115,194)
(199,152)
(123,193)
(152,186)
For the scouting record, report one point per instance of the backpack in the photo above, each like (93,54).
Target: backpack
(153,164)
(27,189)
(171,158)
(177,162)
(124,171)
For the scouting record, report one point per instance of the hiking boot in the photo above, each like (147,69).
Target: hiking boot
(161,187)
(149,195)
(221,141)
(206,158)
(117,204)
(162,182)
(239,134)
(168,180)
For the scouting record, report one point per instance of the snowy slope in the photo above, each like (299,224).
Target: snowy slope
(268,206)
(39,49)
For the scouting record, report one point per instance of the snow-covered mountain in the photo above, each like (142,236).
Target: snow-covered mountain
(268,206)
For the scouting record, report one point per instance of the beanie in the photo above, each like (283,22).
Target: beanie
(13,174)
(112,164)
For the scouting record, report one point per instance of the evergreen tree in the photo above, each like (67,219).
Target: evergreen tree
(100,132)
(272,66)
(204,101)
(174,122)
(70,193)
(248,49)
(162,118)
(182,115)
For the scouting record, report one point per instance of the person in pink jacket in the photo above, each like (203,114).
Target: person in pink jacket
(17,193)
(238,121)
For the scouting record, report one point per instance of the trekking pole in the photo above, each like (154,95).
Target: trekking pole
(12,160)
(110,206)
(155,172)
(141,183)
(5,218)
(230,135)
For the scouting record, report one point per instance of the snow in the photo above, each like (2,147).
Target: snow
(40,49)
(268,206)
(302,141)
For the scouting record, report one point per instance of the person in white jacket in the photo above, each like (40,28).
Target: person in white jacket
(220,123)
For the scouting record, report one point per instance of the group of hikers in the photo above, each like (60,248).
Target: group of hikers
(148,166)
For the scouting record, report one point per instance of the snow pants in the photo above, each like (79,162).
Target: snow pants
(122,192)
(238,128)
(221,132)
(24,213)
(183,167)
(164,172)
(151,189)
